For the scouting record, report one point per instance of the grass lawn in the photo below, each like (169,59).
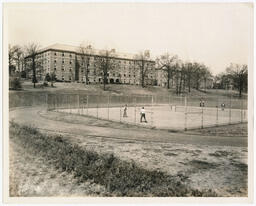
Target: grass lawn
(62,87)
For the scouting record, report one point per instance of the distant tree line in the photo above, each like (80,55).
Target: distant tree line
(235,77)
(182,75)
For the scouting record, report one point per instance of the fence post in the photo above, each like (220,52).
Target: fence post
(87,104)
(230,109)
(135,110)
(152,101)
(33,100)
(55,103)
(241,105)
(120,109)
(69,103)
(202,118)
(185,126)
(46,101)
(108,106)
(97,107)
(83,105)
(217,112)
(78,103)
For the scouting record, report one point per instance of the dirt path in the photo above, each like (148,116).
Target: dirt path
(39,118)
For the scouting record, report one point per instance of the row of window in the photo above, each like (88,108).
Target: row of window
(63,54)
(63,61)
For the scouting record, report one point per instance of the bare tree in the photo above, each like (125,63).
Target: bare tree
(142,61)
(167,64)
(105,62)
(52,77)
(32,50)
(239,75)
(11,53)
(86,52)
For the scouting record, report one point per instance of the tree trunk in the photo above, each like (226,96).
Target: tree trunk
(142,73)
(87,70)
(34,71)
(189,86)
(168,78)
(181,79)
(177,84)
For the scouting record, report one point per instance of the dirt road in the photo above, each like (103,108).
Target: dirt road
(38,117)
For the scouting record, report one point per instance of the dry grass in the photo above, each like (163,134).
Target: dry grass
(118,177)
(236,130)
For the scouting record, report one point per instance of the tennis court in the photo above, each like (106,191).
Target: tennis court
(166,116)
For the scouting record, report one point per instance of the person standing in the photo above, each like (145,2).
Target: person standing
(222,106)
(143,114)
(125,111)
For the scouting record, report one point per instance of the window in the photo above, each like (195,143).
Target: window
(63,54)
(55,61)
(70,78)
(82,71)
(124,75)
(70,56)
(62,61)
(55,69)
(63,78)
(70,69)
(70,62)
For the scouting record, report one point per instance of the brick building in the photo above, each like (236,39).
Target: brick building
(67,64)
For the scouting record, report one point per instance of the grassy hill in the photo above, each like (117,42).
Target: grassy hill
(121,89)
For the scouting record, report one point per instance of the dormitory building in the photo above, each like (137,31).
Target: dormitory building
(67,64)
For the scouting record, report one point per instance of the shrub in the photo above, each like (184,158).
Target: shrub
(23,74)
(47,77)
(15,83)
(120,178)
(34,80)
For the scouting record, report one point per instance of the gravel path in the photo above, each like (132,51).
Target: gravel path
(39,118)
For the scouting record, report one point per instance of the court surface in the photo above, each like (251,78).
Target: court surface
(167,116)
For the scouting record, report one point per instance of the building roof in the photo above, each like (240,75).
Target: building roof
(75,49)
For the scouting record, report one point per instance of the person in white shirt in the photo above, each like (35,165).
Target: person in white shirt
(143,114)
(125,111)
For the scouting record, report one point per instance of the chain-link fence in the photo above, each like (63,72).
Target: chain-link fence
(27,99)
(163,112)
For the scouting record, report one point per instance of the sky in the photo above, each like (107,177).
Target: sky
(215,34)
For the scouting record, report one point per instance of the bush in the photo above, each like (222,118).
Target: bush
(23,74)
(15,83)
(120,178)
(47,77)
(34,80)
